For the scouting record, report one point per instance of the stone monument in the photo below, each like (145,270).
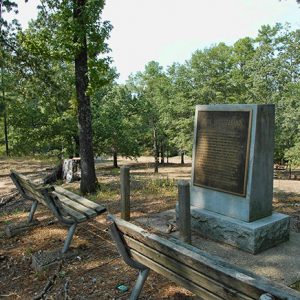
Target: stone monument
(232,177)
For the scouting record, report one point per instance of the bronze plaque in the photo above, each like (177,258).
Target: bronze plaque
(222,149)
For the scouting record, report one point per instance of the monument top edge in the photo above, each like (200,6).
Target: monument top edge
(233,107)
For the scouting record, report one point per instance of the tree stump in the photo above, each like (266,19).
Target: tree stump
(71,169)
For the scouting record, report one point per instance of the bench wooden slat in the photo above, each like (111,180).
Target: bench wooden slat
(29,187)
(75,214)
(83,201)
(183,270)
(174,277)
(35,195)
(76,206)
(236,278)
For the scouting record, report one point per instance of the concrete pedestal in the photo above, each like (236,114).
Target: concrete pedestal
(252,237)
(45,260)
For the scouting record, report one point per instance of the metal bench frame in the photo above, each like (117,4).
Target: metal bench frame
(143,270)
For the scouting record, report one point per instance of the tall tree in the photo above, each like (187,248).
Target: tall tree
(6,30)
(40,102)
(77,30)
(72,31)
(150,87)
(88,174)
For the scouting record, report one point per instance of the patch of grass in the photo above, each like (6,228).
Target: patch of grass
(59,182)
(159,185)
(3,214)
(143,187)
(28,251)
(115,171)
(105,191)
(296,285)
(17,211)
(62,274)
(31,159)
(40,276)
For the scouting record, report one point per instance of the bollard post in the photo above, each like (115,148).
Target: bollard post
(125,193)
(184,210)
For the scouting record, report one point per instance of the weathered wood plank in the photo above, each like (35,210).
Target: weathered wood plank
(75,214)
(196,277)
(204,294)
(29,188)
(17,228)
(239,279)
(75,205)
(83,201)
(25,180)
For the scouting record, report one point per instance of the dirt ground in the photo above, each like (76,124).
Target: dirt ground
(97,269)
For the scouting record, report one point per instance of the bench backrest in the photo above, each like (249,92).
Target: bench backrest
(205,275)
(28,188)
(42,194)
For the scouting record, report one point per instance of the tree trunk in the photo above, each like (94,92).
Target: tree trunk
(3,96)
(5,131)
(76,146)
(182,157)
(115,157)
(155,151)
(162,153)
(88,175)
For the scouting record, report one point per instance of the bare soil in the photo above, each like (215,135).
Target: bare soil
(97,269)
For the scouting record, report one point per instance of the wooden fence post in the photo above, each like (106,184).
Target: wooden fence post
(125,193)
(184,210)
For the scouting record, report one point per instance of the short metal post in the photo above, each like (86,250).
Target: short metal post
(125,193)
(184,211)
(32,211)
(69,238)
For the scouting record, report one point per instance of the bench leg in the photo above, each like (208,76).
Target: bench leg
(32,211)
(69,238)
(143,270)
(143,274)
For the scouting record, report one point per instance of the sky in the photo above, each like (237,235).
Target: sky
(169,31)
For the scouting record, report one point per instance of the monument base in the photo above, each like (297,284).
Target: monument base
(252,237)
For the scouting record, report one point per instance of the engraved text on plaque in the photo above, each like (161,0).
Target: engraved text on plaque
(221,152)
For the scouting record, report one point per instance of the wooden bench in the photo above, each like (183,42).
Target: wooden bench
(69,208)
(205,275)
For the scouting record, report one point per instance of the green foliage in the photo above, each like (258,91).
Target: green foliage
(56,19)
(152,88)
(117,122)
(154,111)
(40,99)
(293,155)
(159,184)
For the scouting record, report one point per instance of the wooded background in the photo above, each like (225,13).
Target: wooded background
(57,75)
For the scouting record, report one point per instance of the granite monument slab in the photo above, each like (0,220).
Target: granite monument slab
(232,176)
